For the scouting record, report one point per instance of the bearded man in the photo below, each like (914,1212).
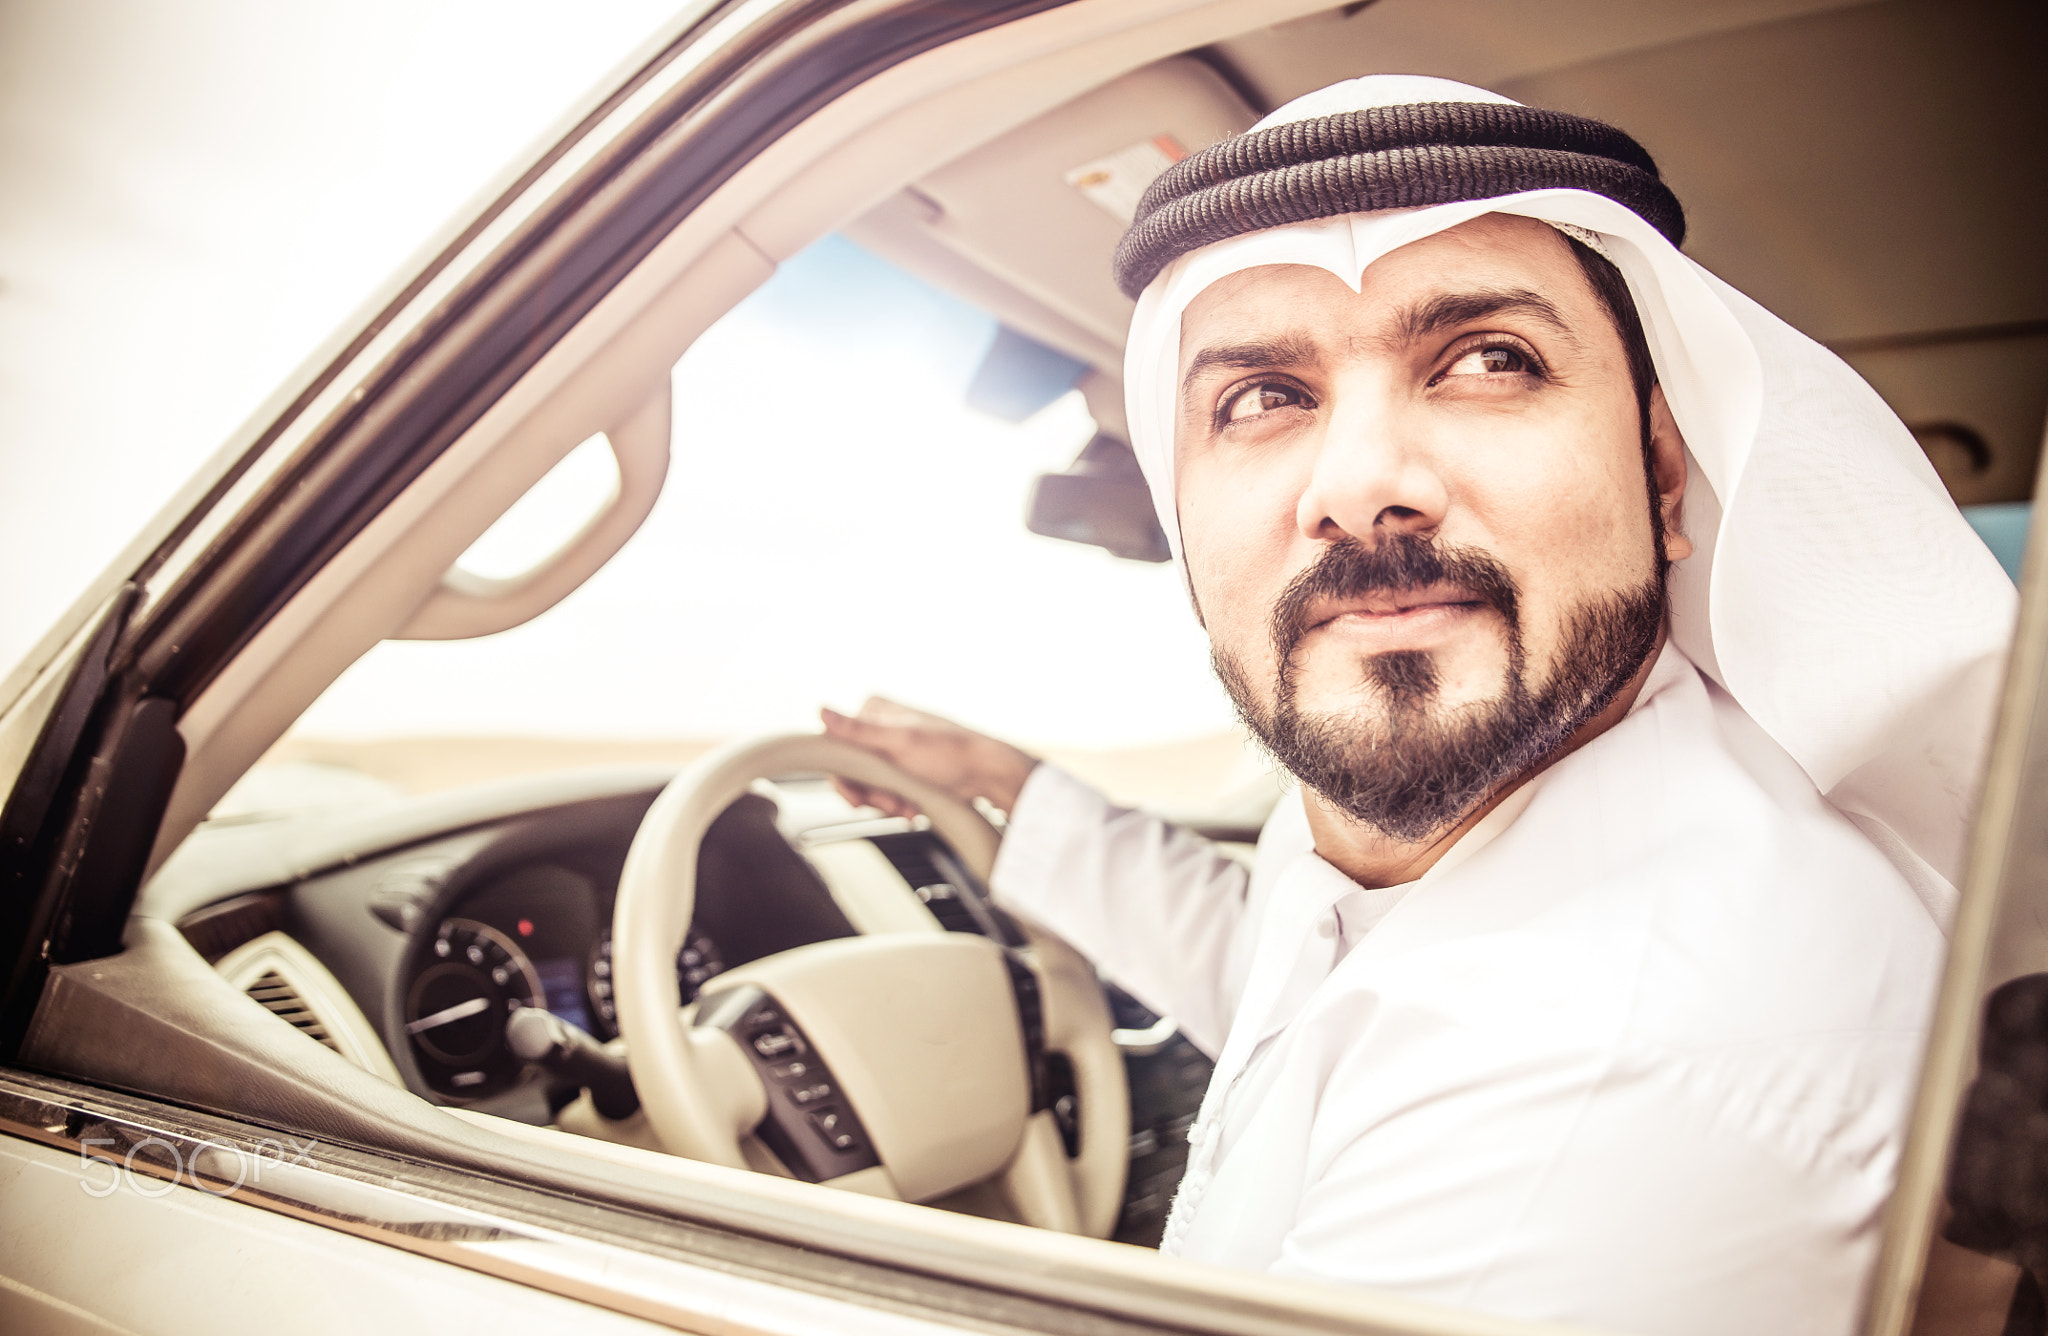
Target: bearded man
(1636,670)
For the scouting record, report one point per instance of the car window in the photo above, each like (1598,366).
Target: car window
(836,521)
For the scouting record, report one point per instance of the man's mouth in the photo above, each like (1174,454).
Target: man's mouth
(1395,604)
(1405,593)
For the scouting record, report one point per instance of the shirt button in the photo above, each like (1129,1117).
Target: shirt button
(1326,927)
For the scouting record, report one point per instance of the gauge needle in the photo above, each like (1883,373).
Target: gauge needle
(459,1011)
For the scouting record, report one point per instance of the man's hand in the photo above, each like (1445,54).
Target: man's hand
(935,750)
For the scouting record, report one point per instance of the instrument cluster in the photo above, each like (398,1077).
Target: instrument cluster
(540,937)
(532,928)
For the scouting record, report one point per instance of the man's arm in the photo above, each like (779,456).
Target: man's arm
(1154,906)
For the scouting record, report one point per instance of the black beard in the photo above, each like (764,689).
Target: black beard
(1420,769)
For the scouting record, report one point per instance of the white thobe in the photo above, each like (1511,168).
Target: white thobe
(1636,1053)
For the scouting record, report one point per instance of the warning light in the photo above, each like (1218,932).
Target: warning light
(526,927)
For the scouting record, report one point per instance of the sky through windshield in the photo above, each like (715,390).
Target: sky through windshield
(835,522)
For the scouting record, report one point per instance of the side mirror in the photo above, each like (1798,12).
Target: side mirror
(1100,499)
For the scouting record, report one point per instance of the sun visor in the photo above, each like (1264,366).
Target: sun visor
(1019,375)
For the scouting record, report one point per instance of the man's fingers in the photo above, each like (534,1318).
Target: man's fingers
(841,725)
(852,790)
(874,734)
(891,804)
(897,734)
(893,742)
(936,750)
(895,715)
(890,714)
(883,801)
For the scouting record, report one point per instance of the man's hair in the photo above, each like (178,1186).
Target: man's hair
(1612,290)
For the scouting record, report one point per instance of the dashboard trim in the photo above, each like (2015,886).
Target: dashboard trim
(288,1177)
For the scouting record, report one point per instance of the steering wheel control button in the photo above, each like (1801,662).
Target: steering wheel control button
(813,1129)
(834,1127)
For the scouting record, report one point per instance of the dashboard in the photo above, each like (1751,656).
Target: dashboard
(445,925)
(442,919)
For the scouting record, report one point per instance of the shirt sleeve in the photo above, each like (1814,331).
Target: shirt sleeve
(1155,906)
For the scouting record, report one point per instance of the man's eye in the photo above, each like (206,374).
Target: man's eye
(1487,361)
(1264,398)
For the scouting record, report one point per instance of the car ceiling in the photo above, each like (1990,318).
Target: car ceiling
(1873,172)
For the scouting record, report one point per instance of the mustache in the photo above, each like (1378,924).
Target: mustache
(1347,569)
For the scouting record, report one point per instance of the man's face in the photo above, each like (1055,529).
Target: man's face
(1416,517)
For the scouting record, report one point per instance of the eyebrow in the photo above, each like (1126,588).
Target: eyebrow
(1450,309)
(1287,350)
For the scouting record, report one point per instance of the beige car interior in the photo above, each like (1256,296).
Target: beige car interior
(966,166)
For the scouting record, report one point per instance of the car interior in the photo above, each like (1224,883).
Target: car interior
(489,976)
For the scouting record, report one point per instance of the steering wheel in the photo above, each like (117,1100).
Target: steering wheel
(907,1055)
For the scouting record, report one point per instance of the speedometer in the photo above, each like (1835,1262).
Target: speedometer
(456,1008)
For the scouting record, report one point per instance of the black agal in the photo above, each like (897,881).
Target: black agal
(1384,158)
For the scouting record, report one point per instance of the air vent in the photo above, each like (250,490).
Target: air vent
(947,907)
(955,896)
(283,978)
(910,854)
(279,998)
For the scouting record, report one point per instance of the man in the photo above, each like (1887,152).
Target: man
(1635,669)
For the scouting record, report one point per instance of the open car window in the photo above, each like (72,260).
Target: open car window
(830,485)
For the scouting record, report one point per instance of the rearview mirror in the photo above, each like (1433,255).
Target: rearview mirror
(1100,499)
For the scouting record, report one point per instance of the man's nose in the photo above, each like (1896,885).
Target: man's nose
(1370,476)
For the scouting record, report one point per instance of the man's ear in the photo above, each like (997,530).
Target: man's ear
(1667,463)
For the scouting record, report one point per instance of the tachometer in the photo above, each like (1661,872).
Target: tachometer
(455,1011)
(696,963)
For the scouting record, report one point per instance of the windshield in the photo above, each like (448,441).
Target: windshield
(836,522)
(193,197)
